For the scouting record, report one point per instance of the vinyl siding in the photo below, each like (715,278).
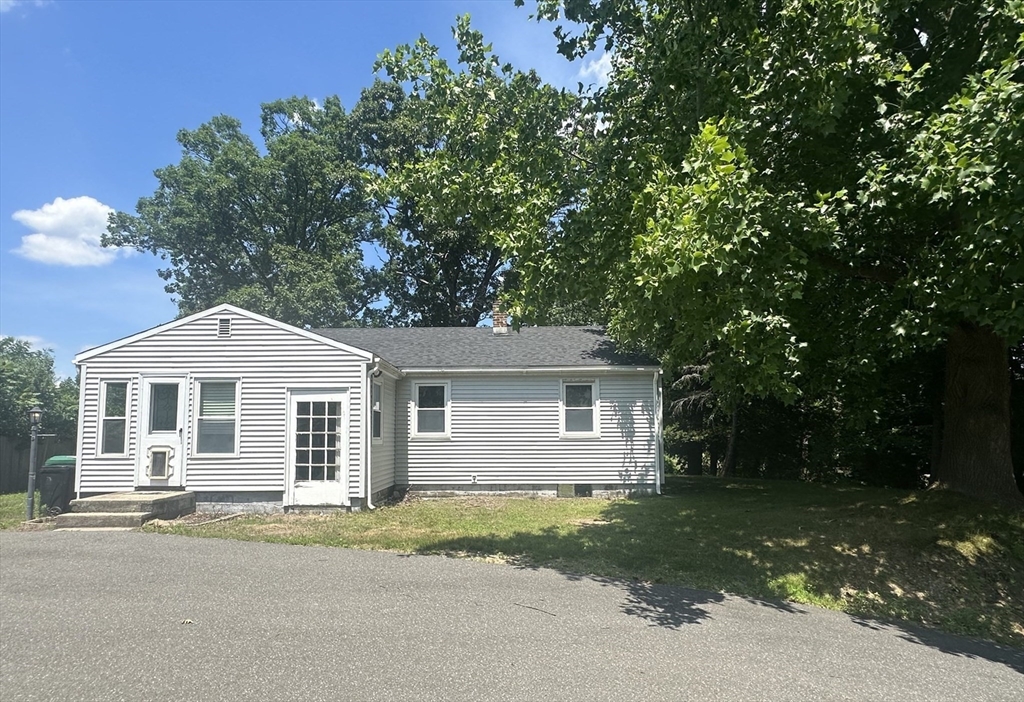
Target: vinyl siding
(267,361)
(382,455)
(505,430)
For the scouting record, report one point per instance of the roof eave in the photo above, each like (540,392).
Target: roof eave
(442,370)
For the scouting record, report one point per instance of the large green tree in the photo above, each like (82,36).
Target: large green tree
(435,272)
(797,191)
(27,380)
(275,229)
(471,156)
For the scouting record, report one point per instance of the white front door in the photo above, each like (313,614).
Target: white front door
(318,447)
(161,455)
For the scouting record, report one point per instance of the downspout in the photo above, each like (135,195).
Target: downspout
(368,430)
(660,463)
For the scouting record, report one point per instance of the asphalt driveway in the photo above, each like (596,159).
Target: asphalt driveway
(133,616)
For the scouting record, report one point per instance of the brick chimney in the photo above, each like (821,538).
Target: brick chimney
(500,320)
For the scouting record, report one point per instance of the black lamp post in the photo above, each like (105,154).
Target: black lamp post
(35,415)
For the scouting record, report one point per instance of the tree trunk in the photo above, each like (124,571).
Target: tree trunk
(728,467)
(975,457)
(936,449)
(714,449)
(694,458)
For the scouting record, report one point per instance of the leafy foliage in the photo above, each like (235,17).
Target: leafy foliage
(795,193)
(436,272)
(27,379)
(765,163)
(277,232)
(491,173)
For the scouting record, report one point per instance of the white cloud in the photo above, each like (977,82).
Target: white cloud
(36,342)
(66,233)
(8,5)
(598,70)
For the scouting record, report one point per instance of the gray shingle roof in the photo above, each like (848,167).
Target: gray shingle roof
(479,347)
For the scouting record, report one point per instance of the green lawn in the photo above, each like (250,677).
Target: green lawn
(12,509)
(924,557)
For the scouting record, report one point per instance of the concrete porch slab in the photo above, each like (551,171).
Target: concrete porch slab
(93,520)
(126,510)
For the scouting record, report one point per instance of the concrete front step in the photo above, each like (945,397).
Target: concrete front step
(162,505)
(96,520)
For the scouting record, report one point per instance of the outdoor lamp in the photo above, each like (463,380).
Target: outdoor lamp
(34,415)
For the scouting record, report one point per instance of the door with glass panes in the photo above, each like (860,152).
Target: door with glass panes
(317,447)
(161,456)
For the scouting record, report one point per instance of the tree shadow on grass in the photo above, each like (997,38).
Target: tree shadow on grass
(889,556)
(663,605)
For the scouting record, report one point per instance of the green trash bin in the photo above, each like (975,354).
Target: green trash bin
(56,485)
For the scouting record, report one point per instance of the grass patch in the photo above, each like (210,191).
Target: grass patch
(929,558)
(12,509)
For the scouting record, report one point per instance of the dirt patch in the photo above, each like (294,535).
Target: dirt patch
(196,518)
(40,524)
(597,521)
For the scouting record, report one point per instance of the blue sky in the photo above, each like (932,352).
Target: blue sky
(93,93)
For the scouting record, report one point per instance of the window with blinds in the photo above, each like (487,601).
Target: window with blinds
(218,417)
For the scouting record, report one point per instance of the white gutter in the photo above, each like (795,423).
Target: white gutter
(387,369)
(369,423)
(555,369)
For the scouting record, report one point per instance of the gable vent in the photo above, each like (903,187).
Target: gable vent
(224,327)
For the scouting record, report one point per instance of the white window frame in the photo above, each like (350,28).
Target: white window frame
(196,389)
(595,393)
(104,382)
(414,405)
(376,385)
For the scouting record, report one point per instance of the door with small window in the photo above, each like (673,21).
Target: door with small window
(318,448)
(161,457)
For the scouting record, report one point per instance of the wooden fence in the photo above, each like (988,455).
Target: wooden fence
(14,459)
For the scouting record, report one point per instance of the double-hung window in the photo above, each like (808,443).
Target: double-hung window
(217,423)
(430,415)
(579,409)
(115,418)
(376,412)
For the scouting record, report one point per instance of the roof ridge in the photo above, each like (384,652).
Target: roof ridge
(536,326)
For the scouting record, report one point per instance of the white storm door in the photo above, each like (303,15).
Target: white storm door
(161,455)
(318,448)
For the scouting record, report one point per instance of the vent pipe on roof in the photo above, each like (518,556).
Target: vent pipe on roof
(499,320)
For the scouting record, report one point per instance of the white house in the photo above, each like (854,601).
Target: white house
(250,413)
